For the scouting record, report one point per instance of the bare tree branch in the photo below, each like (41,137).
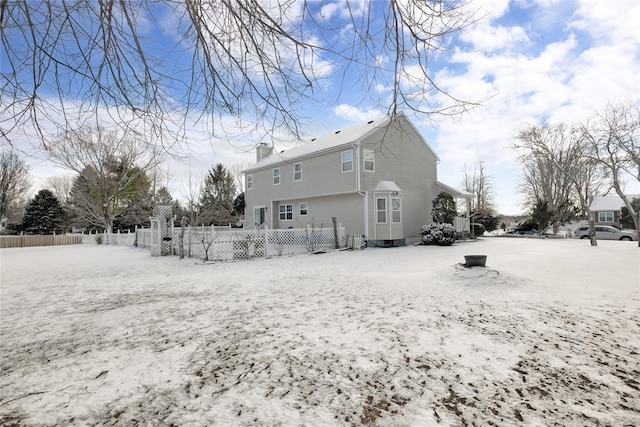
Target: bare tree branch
(161,66)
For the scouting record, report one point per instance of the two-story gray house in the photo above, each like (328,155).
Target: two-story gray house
(378,179)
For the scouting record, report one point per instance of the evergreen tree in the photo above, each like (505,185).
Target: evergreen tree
(444,209)
(117,190)
(541,215)
(217,197)
(239,204)
(626,220)
(43,214)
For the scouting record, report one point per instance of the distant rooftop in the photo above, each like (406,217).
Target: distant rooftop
(611,202)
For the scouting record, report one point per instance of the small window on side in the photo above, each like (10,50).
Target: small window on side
(369,160)
(347,161)
(297,172)
(381,211)
(395,210)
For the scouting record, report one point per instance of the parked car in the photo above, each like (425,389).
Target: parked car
(605,232)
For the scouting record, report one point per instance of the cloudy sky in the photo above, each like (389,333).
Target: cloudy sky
(527,61)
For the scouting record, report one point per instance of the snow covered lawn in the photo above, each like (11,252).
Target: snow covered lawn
(548,333)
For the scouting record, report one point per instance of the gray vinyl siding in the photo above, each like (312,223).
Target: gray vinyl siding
(328,190)
(405,159)
(321,175)
(347,208)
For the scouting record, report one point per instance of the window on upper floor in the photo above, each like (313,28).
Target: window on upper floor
(276,176)
(347,161)
(381,210)
(605,216)
(249,182)
(369,160)
(297,172)
(395,209)
(304,208)
(286,212)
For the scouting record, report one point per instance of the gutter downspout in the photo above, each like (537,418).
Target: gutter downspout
(365,195)
(271,214)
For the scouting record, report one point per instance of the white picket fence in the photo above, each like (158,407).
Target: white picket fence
(229,244)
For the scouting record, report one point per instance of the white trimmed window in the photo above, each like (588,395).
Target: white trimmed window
(347,161)
(249,182)
(286,212)
(381,210)
(395,209)
(605,216)
(369,160)
(276,176)
(297,172)
(304,208)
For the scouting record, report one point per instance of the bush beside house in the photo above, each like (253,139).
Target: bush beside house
(438,234)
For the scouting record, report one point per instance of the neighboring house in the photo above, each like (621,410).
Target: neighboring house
(607,210)
(378,179)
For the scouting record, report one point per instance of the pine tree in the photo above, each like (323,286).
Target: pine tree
(217,196)
(444,209)
(43,214)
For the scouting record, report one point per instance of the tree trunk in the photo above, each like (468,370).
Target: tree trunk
(629,205)
(108,227)
(636,219)
(592,229)
(182,222)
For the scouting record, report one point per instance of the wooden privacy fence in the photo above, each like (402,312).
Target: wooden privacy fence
(27,240)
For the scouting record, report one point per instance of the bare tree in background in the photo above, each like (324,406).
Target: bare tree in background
(61,186)
(14,180)
(478,183)
(564,149)
(543,181)
(614,138)
(160,66)
(109,168)
(238,175)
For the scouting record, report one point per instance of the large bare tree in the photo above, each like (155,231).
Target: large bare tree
(159,66)
(14,180)
(477,182)
(61,186)
(542,179)
(614,138)
(563,149)
(110,168)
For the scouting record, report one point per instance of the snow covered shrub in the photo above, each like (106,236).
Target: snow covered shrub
(438,234)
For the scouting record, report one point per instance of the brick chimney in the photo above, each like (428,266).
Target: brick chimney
(263,150)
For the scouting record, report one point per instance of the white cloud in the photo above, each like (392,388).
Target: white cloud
(355,114)
(490,39)
(609,22)
(566,80)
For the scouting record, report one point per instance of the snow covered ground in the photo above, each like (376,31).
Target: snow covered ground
(547,334)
